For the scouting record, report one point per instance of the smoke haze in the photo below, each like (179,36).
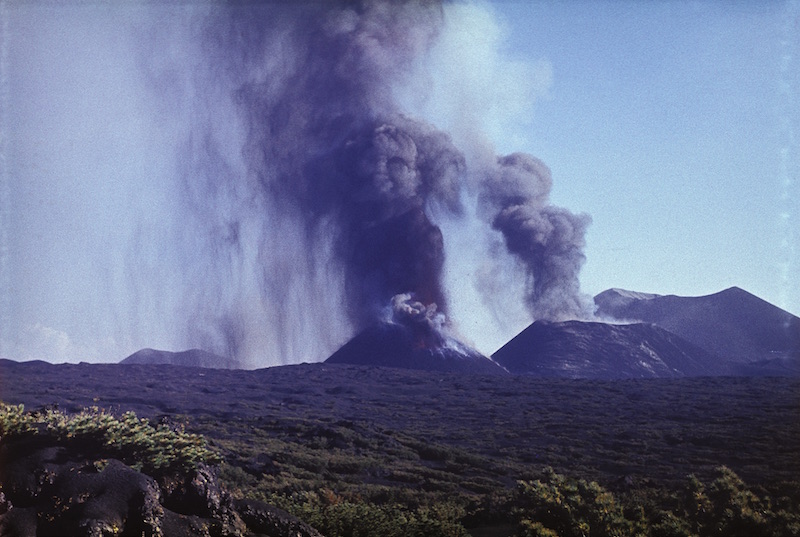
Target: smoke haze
(262,181)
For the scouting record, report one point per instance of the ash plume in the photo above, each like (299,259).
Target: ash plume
(325,145)
(548,240)
(325,142)
(262,180)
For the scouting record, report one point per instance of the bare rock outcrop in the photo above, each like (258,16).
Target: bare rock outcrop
(48,490)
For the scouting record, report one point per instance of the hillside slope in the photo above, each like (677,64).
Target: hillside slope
(189,358)
(392,345)
(733,324)
(576,349)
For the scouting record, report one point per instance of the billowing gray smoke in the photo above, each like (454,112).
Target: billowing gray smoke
(325,189)
(326,144)
(548,240)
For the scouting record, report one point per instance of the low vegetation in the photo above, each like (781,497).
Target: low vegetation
(555,506)
(135,441)
(552,505)
(362,452)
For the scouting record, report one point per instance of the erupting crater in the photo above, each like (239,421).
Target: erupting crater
(413,336)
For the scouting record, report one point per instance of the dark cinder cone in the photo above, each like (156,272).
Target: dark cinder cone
(395,345)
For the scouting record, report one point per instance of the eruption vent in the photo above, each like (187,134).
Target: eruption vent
(413,336)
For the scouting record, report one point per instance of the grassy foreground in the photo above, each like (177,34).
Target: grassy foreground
(552,505)
(357,451)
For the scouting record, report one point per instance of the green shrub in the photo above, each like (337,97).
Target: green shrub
(133,440)
(555,505)
(727,508)
(668,524)
(336,516)
(14,421)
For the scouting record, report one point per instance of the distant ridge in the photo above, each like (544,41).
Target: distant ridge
(734,324)
(616,297)
(189,358)
(577,349)
(393,345)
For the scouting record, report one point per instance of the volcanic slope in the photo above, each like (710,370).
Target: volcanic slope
(741,328)
(576,349)
(394,345)
(189,358)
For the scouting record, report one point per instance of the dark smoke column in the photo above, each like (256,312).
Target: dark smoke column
(327,144)
(548,240)
(387,242)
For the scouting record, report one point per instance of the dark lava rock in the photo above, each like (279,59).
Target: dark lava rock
(199,494)
(54,490)
(394,345)
(575,349)
(733,324)
(190,358)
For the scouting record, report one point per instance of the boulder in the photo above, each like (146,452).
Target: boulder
(50,489)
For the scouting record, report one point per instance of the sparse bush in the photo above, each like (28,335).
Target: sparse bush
(133,440)
(555,505)
(728,508)
(558,506)
(336,516)
(14,421)
(669,525)
(529,528)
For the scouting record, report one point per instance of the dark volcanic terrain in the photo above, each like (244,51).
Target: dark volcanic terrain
(450,434)
(576,349)
(190,358)
(731,333)
(733,324)
(393,345)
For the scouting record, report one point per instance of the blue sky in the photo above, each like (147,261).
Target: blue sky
(672,123)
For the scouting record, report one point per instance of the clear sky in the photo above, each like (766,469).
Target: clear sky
(672,123)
